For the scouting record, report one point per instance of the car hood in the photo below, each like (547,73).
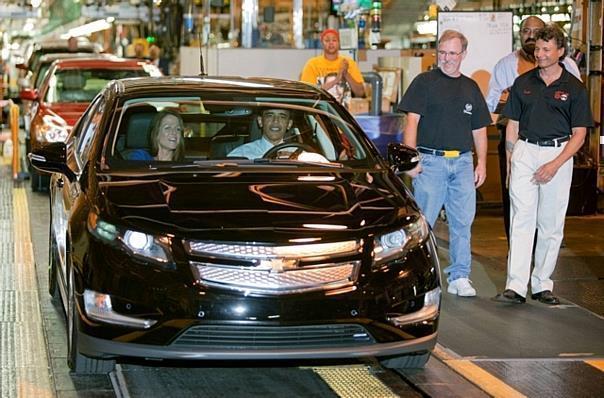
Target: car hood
(229,206)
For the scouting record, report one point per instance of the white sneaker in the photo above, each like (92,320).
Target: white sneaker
(462,287)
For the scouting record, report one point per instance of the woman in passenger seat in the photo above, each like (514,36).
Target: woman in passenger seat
(167,142)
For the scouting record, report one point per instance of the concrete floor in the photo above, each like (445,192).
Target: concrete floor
(537,350)
(579,274)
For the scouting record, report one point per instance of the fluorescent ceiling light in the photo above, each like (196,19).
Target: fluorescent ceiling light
(89,28)
(426,27)
(560,18)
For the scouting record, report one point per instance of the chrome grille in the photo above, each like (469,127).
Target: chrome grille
(248,251)
(267,281)
(274,337)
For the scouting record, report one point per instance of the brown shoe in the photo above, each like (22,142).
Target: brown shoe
(546,297)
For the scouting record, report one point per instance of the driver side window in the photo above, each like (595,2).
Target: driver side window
(89,126)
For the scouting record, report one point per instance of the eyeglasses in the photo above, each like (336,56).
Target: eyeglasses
(449,53)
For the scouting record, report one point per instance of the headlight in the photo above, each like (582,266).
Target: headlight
(53,129)
(394,244)
(149,247)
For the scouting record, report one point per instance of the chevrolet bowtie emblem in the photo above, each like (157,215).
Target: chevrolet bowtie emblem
(278,265)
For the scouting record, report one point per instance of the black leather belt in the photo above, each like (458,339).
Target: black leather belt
(555,142)
(441,152)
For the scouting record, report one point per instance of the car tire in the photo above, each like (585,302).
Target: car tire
(78,363)
(53,263)
(35,180)
(39,182)
(411,361)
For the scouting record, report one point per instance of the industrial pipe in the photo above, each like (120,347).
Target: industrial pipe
(375,80)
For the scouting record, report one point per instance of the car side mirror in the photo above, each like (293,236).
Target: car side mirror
(402,157)
(52,158)
(28,94)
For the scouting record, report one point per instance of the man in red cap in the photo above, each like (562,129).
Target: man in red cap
(335,73)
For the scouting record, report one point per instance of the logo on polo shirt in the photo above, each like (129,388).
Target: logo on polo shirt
(468,109)
(561,95)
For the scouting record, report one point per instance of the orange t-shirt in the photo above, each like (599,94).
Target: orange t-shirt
(318,70)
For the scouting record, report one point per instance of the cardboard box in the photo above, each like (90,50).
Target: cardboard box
(386,105)
(391,81)
(358,105)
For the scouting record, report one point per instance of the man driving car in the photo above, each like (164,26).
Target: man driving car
(274,123)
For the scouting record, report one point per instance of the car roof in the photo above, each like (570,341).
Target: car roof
(59,43)
(54,56)
(110,62)
(148,85)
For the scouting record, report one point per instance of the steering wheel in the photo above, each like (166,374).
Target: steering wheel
(274,151)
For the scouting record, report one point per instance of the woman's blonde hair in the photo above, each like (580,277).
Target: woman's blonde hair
(179,152)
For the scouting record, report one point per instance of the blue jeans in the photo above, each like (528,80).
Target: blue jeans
(450,182)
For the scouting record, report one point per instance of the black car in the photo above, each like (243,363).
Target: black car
(314,249)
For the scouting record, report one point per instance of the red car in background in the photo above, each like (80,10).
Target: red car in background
(38,49)
(34,79)
(66,91)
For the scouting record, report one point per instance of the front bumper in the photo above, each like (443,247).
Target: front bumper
(95,347)
(374,302)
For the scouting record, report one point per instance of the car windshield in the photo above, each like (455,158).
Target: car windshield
(82,85)
(235,132)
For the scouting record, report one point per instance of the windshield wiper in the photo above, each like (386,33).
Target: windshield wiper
(213,163)
(289,162)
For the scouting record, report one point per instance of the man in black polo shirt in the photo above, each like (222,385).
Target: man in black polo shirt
(549,112)
(446,116)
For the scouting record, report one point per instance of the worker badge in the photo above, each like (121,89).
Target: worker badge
(561,95)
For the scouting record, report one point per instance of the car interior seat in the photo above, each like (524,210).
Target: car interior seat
(73,87)
(226,139)
(137,131)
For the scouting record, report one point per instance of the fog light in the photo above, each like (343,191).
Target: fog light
(428,312)
(98,307)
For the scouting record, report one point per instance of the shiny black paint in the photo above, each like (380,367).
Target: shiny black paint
(162,295)
(253,206)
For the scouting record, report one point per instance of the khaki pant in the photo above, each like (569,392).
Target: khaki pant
(535,205)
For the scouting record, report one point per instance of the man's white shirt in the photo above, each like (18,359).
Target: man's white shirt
(252,150)
(506,71)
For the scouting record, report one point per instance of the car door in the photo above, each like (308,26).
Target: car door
(63,191)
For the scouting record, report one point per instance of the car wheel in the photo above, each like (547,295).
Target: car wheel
(78,363)
(412,361)
(39,182)
(53,263)
(35,180)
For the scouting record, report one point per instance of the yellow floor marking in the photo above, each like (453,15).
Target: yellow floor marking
(596,363)
(354,382)
(32,377)
(483,379)
(477,375)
